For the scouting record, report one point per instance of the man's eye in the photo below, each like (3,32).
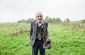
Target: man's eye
(37,16)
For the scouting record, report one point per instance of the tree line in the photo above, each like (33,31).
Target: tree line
(48,19)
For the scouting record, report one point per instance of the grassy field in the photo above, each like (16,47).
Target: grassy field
(14,40)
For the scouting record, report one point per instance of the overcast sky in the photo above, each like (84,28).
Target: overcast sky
(13,10)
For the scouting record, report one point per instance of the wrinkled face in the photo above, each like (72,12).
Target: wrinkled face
(39,17)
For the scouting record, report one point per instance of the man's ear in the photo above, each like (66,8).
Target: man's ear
(35,18)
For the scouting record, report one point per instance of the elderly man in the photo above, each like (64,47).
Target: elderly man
(38,34)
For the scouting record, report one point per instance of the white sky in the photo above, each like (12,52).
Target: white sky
(13,10)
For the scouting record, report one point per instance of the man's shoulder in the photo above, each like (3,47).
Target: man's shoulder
(45,22)
(33,22)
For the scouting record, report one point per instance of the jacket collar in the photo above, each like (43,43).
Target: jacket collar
(40,23)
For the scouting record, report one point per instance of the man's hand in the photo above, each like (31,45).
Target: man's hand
(48,38)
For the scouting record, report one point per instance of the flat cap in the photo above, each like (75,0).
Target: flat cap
(47,44)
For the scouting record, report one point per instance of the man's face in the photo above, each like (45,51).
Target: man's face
(39,17)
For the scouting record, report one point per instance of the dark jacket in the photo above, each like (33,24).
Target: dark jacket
(33,30)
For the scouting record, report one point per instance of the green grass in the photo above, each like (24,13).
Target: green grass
(65,41)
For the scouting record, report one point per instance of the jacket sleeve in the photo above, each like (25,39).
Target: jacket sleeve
(47,34)
(31,29)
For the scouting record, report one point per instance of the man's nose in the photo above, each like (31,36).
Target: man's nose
(39,17)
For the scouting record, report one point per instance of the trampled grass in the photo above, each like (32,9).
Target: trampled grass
(65,41)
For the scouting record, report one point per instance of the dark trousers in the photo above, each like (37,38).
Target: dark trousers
(38,45)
